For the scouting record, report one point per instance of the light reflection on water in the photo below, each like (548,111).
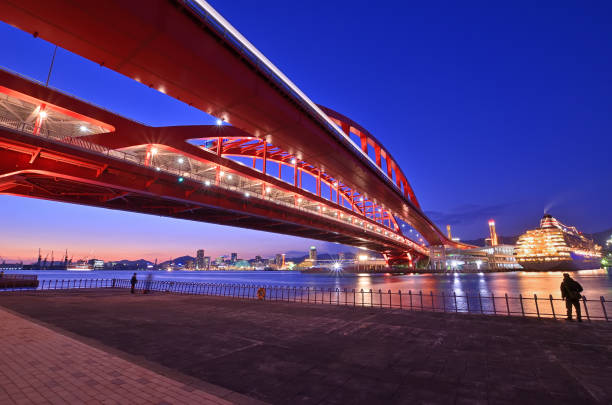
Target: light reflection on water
(596,283)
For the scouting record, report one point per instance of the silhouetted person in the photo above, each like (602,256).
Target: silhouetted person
(570,290)
(133,282)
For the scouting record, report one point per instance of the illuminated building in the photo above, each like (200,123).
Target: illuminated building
(200,260)
(448,232)
(234,258)
(493,233)
(554,246)
(312,254)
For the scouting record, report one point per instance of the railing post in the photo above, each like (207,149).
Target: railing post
(354,302)
(380,298)
(480,302)
(522,307)
(493,302)
(421,299)
(603,307)
(586,308)
(362,298)
(371,298)
(535,299)
(345,298)
(443,302)
(410,295)
(507,303)
(390,304)
(552,306)
(433,304)
(337,296)
(455,298)
(467,300)
(399,293)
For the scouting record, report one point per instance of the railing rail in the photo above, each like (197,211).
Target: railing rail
(448,302)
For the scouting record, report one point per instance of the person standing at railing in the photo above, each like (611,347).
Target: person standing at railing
(133,282)
(570,291)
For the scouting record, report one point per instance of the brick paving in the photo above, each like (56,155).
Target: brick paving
(41,366)
(322,354)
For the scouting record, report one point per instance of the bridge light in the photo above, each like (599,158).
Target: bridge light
(229,176)
(247,194)
(158,168)
(268,189)
(219,121)
(181,160)
(337,266)
(83,128)
(153,150)
(299,200)
(293,161)
(221,174)
(360,198)
(180,179)
(43,114)
(207,183)
(324,209)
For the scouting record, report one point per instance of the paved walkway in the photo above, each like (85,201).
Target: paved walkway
(287,353)
(41,366)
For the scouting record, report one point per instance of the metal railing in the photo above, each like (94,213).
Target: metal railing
(448,302)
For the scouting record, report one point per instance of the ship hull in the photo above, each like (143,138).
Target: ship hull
(577,262)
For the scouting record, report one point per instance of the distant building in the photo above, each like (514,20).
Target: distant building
(200,260)
(234,258)
(278,260)
(312,254)
(488,258)
(206,263)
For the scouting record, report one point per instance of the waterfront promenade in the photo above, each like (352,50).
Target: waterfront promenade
(296,353)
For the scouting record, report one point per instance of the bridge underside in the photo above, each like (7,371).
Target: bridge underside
(31,166)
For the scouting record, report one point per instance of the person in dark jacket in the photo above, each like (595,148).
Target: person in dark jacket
(570,291)
(133,282)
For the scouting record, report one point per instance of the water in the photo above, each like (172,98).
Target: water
(596,283)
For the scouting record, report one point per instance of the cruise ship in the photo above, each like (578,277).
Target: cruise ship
(555,246)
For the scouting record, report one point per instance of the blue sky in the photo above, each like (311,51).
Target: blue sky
(492,111)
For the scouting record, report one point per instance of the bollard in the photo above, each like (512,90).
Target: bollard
(603,307)
(535,299)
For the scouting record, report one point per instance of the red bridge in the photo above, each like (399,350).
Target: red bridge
(284,165)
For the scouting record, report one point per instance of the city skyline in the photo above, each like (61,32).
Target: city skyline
(537,134)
